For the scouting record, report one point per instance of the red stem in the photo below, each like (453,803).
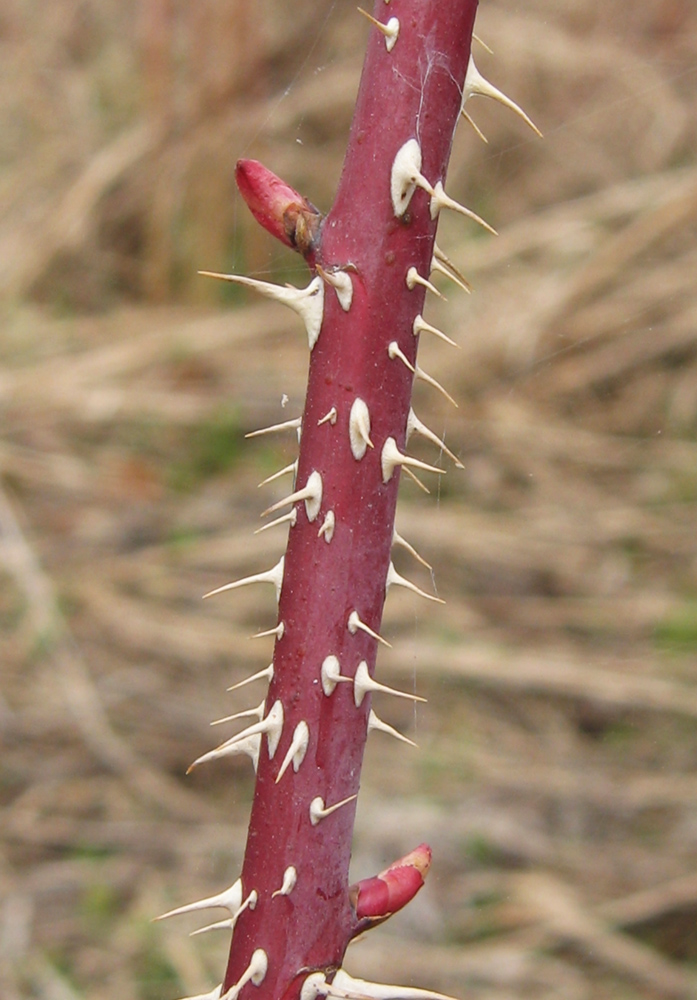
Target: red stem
(412,91)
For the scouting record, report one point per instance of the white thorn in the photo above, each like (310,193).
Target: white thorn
(272,725)
(328,525)
(296,751)
(329,417)
(398,540)
(230,899)
(442,269)
(414,278)
(359,428)
(406,176)
(278,631)
(415,479)
(355,623)
(440,199)
(477,86)
(291,517)
(483,44)
(213,995)
(231,748)
(421,326)
(444,259)
(425,377)
(331,675)
(353,988)
(396,579)
(468,118)
(389,30)
(392,457)
(248,713)
(265,674)
(314,986)
(273,575)
(293,467)
(311,493)
(308,302)
(290,877)
(363,683)
(286,425)
(394,351)
(254,973)
(382,727)
(342,285)
(414,425)
(250,902)
(318,810)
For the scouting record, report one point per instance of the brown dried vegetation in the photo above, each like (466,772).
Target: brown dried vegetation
(556,776)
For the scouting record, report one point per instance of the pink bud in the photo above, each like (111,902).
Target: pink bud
(277,207)
(374,899)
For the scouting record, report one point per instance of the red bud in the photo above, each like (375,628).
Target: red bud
(277,207)
(374,899)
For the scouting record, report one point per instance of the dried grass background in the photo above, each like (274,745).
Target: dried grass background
(557,772)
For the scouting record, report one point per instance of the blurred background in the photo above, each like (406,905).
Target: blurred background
(557,772)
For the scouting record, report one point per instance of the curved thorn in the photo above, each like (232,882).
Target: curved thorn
(273,575)
(442,269)
(355,623)
(444,259)
(328,525)
(414,425)
(341,283)
(398,540)
(382,727)
(420,373)
(311,493)
(265,674)
(230,899)
(359,428)
(290,877)
(363,683)
(297,749)
(330,674)
(231,748)
(329,417)
(472,122)
(291,517)
(250,902)
(392,457)
(415,479)
(440,200)
(248,713)
(421,326)
(277,630)
(396,579)
(413,278)
(286,425)
(389,30)
(318,810)
(476,85)
(293,467)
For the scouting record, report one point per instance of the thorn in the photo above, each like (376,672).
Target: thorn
(398,540)
(354,988)
(328,525)
(483,44)
(265,674)
(444,259)
(414,425)
(291,517)
(359,429)
(250,902)
(415,479)
(329,417)
(396,579)
(330,674)
(273,575)
(290,877)
(355,623)
(394,351)
(278,631)
(389,30)
(406,176)
(272,725)
(296,751)
(420,373)
(392,457)
(213,995)
(414,278)
(254,973)
(311,493)
(476,85)
(231,748)
(382,727)
(286,425)
(230,899)
(293,467)
(246,714)
(421,326)
(363,683)
(308,302)
(440,199)
(318,810)
(341,283)
(315,985)
(442,269)
(478,131)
